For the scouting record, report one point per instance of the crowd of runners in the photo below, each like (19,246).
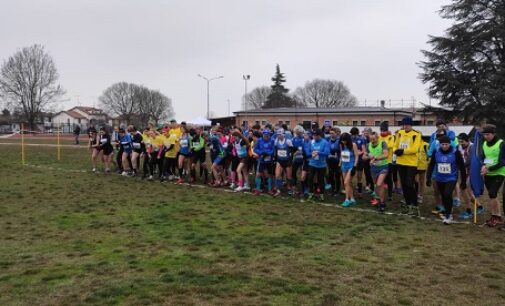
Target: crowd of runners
(313,164)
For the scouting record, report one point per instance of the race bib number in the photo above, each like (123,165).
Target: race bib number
(489,161)
(136,145)
(196,144)
(184,143)
(332,156)
(346,156)
(404,145)
(444,168)
(300,149)
(282,153)
(267,158)
(103,141)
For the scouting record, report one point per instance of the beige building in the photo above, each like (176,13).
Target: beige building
(352,116)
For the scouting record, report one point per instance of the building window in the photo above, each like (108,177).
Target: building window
(363,123)
(335,122)
(68,121)
(245,123)
(79,120)
(377,123)
(355,123)
(430,122)
(306,125)
(257,122)
(263,122)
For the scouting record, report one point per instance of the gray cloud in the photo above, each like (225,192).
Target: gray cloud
(372,46)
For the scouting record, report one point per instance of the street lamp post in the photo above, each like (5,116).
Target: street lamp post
(245,77)
(208,90)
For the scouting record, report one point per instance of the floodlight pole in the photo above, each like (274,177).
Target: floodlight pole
(208,90)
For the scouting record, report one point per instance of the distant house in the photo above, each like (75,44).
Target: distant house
(82,116)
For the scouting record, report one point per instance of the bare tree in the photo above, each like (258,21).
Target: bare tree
(325,93)
(28,82)
(256,98)
(137,104)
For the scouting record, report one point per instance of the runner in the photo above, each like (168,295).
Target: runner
(465,147)
(360,144)
(377,155)
(138,148)
(264,150)
(283,152)
(184,153)
(334,173)
(349,162)
(307,154)
(392,177)
(407,149)
(106,148)
(217,155)
(198,154)
(241,145)
(493,171)
(297,158)
(447,161)
(171,148)
(317,164)
(94,147)
(125,141)
(421,171)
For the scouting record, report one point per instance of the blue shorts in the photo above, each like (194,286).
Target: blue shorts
(268,167)
(218,161)
(376,171)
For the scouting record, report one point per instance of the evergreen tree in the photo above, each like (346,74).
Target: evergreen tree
(466,66)
(278,96)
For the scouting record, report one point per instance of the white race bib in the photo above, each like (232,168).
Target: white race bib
(267,158)
(103,140)
(444,168)
(282,153)
(489,162)
(184,142)
(346,156)
(404,145)
(136,145)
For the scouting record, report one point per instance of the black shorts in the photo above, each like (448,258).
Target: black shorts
(493,184)
(268,167)
(234,163)
(198,156)
(184,154)
(284,163)
(361,165)
(108,150)
(305,166)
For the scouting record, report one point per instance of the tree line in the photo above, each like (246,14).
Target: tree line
(315,93)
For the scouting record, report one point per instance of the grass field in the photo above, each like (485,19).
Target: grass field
(76,238)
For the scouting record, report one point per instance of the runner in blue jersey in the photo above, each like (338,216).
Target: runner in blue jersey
(264,150)
(125,141)
(361,146)
(283,155)
(297,155)
(319,150)
(447,161)
(334,173)
(349,161)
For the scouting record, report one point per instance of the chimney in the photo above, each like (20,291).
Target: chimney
(383,103)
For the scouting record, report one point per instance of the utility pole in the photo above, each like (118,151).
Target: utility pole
(208,90)
(245,77)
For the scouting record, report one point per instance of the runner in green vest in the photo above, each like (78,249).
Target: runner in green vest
(493,170)
(377,153)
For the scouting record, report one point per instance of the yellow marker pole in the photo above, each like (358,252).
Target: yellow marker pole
(475,211)
(58,142)
(22,144)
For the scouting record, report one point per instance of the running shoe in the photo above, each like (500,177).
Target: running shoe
(93,170)
(353,201)
(321,197)
(180,181)
(277,193)
(150,178)
(456,202)
(239,189)
(447,220)
(346,203)
(327,187)
(272,192)
(246,187)
(374,202)
(257,192)
(291,192)
(124,173)
(480,210)
(382,207)
(233,186)
(465,215)
(494,221)
(310,197)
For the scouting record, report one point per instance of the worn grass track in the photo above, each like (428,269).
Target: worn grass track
(81,238)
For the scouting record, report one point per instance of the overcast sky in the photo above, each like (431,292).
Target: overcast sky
(372,46)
